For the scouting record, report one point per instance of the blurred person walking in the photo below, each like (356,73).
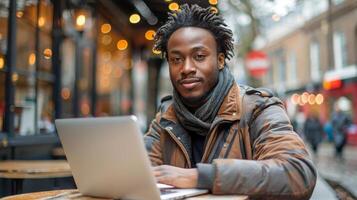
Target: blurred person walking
(313,131)
(340,122)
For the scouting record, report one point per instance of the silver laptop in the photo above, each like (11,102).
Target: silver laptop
(108,159)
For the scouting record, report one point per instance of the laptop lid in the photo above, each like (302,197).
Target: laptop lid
(107,157)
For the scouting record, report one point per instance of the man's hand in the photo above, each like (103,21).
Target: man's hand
(175,176)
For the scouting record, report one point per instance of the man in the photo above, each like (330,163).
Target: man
(340,123)
(214,133)
(313,131)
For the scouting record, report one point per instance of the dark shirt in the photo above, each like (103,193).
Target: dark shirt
(198,143)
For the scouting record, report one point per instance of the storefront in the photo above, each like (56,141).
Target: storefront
(59,59)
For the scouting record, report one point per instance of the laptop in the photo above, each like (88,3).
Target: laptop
(108,159)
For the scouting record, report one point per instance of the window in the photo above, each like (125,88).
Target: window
(33,77)
(292,68)
(113,73)
(3,39)
(315,70)
(281,66)
(67,85)
(339,50)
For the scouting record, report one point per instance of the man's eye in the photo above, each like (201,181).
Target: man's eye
(175,60)
(200,57)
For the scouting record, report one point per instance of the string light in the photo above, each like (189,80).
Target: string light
(65,93)
(134,18)
(122,45)
(213,2)
(81,20)
(149,35)
(2,62)
(32,59)
(106,28)
(41,21)
(173,6)
(47,53)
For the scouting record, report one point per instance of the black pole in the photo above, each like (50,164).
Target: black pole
(94,66)
(10,66)
(56,58)
(37,62)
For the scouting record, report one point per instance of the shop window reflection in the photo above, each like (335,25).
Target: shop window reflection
(25,39)
(33,110)
(3,40)
(68,67)
(26,35)
(113,72)
(45,108)
(24,122)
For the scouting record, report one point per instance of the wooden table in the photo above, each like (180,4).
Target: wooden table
(58,152)
(74,194)
(18,170)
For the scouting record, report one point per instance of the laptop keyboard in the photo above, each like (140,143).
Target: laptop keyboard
(167,191)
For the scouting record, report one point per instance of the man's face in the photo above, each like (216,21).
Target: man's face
(193,63)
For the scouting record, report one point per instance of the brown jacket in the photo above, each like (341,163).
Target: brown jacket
(250,150)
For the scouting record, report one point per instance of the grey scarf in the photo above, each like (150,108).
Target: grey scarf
(201,120)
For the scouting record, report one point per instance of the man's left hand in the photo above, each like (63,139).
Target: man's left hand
(175,176)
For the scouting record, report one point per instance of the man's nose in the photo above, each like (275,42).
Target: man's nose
(188,67)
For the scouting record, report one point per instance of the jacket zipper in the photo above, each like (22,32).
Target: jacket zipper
(183,149)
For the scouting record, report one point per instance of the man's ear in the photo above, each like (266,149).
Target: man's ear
(221,59)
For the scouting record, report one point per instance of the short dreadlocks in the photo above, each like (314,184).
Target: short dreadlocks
(196,16)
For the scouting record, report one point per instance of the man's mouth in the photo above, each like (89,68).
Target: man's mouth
(190,83)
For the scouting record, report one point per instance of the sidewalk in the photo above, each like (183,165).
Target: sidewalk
(323,191)
(342,171)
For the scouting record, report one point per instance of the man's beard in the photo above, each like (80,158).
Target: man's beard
(195,102)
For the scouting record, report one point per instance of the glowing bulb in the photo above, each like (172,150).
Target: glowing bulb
(65,93)
(122,44)
(32,59)
(154,51)
(106,28)
(81,20)
(173,6)
(319,99)
(311,99)
(134,18)
(41,21)
(295,98)
(19,14)
(213,2)
(2,62)
(304,97)
(47,53)
(15,77)
(149,35)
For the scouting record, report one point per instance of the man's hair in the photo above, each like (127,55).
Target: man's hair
(196,16)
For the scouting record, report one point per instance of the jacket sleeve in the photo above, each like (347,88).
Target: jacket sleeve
(280,169)
(152,144)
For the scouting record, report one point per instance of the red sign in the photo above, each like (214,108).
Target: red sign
(257,63)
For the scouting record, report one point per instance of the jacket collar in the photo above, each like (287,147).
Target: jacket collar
(230,109)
